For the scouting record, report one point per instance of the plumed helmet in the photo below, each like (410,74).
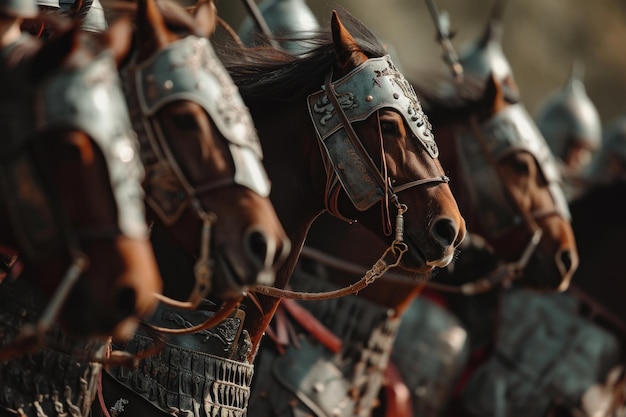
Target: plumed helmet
(283,17)
(613,146)
(91,13)
(24,9)
(569,116)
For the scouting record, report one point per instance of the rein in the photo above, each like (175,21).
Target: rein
(397,248)
(151,135)
(503,274)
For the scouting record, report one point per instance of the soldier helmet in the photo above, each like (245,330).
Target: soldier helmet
(486,56)
(283,17)
(569,117)
(24,9)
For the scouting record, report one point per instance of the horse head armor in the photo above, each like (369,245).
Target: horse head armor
(188,69)
(373,85)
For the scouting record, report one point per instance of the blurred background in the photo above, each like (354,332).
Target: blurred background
(541,39)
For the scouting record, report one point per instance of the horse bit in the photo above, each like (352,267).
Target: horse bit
(373,85)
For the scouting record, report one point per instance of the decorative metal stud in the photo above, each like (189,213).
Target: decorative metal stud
(396,96)
(369,98)
(168,84)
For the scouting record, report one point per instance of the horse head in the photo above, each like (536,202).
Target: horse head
(509,184)
(370,158)
(71,186)
(389,145)
(205,181)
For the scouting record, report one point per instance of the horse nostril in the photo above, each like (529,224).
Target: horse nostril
(257,245)
(444,230)
(566,262)
(126,301)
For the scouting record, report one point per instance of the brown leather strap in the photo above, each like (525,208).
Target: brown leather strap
(312,325)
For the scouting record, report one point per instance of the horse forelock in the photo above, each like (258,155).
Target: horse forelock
(263,73)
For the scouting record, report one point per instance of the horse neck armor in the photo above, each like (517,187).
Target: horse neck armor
(88,99)
(189,69)
(373,85)
(509,131)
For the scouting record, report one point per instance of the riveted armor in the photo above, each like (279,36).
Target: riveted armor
(188,69)
(569,116)
(284,18)
(375,84)
(511,129)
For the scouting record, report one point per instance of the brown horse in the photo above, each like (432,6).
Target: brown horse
(203,160)
(299,177)
(506,185)
(529,185)
(72,202)
(305,182)
(207,194)
(72,209)
(444,229)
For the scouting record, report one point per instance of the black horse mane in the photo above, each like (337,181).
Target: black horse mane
(264,74)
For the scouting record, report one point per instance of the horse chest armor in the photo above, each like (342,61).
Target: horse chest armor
(545,352)
(308,379)
(204,373)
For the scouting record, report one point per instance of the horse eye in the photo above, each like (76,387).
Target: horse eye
(521,166)
(71,152)
(185,121)
(388,127)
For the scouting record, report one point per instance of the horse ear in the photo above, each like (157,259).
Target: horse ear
(205,17)
(152,32)
(347,51)
(118,38)
(54,53)
(74,8)
(494,94)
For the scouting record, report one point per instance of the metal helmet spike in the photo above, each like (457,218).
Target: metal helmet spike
(283,17)
(23,9)
(568,116)
(486,57)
